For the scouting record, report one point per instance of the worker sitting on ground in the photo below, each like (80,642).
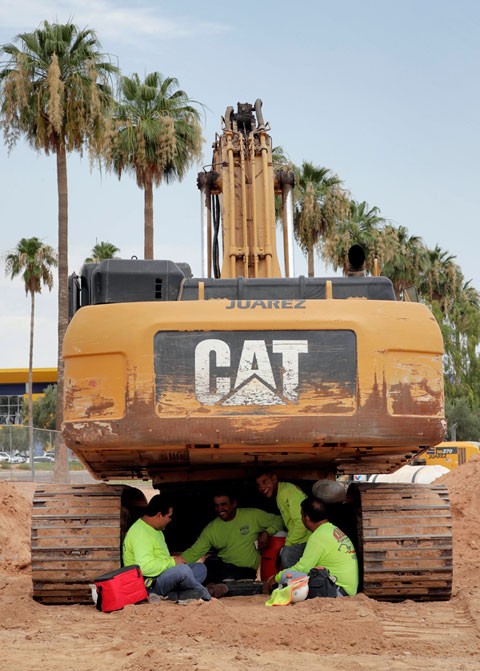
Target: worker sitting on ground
(288,499)
(329,558)
(237,535)
(164,575)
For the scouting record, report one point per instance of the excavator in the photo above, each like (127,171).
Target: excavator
(188,382)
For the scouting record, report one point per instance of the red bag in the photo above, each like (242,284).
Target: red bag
(120,588)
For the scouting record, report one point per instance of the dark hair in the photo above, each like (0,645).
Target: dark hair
(225,492)
(265,471)
(158,504)
(314,509)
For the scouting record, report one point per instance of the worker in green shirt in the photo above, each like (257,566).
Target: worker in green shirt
(165,575)
(288,498)
(237,535)
(328,550)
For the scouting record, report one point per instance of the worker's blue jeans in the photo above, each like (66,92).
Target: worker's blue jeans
(290,554)
(185,580)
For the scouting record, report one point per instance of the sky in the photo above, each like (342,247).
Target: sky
(384,93)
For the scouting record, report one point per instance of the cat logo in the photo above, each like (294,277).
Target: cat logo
(253,382)
(234,372)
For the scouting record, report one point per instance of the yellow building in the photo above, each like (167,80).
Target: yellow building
(14,387)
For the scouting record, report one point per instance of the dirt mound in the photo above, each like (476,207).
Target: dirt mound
(15,517)
(463,485)
(464,489)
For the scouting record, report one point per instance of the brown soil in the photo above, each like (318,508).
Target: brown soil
(241,633)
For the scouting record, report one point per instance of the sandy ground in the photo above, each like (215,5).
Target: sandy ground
(238,634)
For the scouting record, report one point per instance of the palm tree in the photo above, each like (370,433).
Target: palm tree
(280,163)
(319,204)
(280,159)
(157,137)
(102,251)
(459,318)
(283,170)
(403,257)
(439,280)
(360,225)
(34,261)
(55,91)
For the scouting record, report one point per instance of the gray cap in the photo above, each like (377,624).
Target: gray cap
(329,491)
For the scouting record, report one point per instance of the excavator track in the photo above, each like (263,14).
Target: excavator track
(77,532)
(405,541)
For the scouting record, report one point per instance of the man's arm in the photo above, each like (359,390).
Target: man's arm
(201,546)
(307,561)
(268,522)
(288,501)
(149,556)
(262,540)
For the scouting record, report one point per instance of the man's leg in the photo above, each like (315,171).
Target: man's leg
(181,579)
(199,571)
(289,555)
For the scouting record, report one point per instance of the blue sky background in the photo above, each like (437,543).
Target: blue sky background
(384,93)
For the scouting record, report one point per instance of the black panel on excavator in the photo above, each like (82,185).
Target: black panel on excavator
(303,288)
(130,280)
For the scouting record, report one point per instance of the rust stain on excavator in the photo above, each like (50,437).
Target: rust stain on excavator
(326,399)
(98,406)
(141,430)
(145,442)
(418,400)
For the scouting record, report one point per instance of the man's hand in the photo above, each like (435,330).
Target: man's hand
(262,540)
(179,560)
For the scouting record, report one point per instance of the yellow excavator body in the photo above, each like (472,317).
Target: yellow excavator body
(185,389)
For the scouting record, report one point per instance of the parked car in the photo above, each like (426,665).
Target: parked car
(4,456)
(44,459)
(18,459)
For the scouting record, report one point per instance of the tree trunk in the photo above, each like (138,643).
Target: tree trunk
(60,467)
(31,446)
(311,262)
(148,218)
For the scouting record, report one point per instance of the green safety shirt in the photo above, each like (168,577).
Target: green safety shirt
(145,546)
(289,498)
(234,540)
(330,548)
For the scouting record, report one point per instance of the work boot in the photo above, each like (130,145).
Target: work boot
(172,596)
(217,590)
(191,595)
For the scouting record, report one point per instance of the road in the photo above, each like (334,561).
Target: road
(42,475)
